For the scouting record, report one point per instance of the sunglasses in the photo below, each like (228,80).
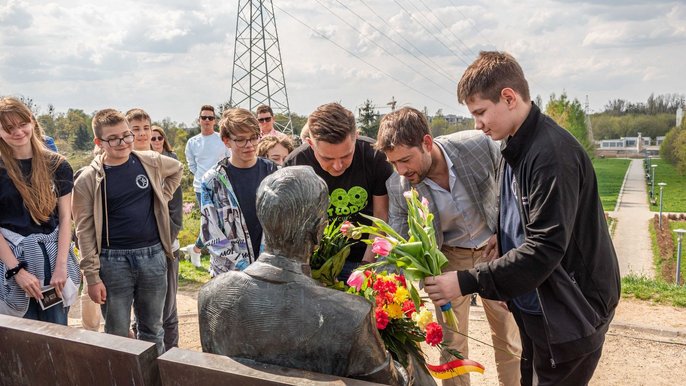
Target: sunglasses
(263,120)
(158,138)
(207,117)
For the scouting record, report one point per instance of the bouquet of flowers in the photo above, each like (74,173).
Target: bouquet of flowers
(404,323)
(328,259)
(418,256)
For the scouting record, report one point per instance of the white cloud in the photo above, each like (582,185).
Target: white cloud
(172,56)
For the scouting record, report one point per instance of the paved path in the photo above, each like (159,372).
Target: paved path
(631,237)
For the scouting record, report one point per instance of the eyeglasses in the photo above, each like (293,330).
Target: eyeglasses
(158,138)
(128,138)
(207,117)
(265,119)
(244,142)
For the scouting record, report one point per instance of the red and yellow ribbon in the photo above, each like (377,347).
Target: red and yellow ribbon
(455,368)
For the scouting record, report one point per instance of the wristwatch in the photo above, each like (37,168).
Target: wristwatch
(11,272)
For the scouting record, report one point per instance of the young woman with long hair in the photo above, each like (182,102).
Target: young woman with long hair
(35,220)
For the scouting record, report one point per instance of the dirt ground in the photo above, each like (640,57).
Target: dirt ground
(646,344)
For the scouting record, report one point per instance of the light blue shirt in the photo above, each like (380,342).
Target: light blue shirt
(203,152)
(461,222)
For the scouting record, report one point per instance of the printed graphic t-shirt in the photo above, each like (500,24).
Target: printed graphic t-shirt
(350,193)
(130,209)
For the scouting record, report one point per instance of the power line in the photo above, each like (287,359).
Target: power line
(475,27)
(438,39)
(447,28)
(440,86)
(359,58)
(435,66)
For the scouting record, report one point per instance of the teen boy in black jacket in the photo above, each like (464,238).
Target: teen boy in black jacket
(558,268)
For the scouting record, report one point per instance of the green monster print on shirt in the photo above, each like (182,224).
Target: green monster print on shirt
(344,203)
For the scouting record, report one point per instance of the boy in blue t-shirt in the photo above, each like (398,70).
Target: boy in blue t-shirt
(122,223)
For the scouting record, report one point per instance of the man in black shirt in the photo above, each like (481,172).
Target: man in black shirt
(229,226)
(354,172)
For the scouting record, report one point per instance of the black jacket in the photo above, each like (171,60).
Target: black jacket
(567,255)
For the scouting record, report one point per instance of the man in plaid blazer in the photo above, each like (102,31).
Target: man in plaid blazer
(457,174)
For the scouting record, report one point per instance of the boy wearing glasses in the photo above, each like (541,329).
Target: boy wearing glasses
(265,117)
(230,228)
(122,223)
(202,152)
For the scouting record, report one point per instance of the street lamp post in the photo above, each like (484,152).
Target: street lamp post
(652,181)
(679,235)
(662,185)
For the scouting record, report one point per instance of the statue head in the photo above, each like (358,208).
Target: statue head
(291,205)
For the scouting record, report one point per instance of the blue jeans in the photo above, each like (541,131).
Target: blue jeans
(137,276)
(198,242)
(56,314)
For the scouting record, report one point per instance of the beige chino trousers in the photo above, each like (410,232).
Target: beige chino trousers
(504,331)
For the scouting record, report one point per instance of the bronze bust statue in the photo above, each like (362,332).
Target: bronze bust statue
(274,312)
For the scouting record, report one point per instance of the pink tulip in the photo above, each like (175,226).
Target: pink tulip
(356,279)
(381,246)
(346,228)
(425,202)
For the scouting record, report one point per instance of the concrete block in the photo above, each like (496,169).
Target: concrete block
(39,353)
(183,367)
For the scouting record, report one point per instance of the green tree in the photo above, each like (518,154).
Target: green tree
(83,138)
(571,116)
(368,120)
(439,125)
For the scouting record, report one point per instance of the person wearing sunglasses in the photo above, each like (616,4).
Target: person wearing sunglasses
(229,225)
(202,152)
(265,117)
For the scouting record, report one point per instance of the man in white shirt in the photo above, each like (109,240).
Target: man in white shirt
(203,151)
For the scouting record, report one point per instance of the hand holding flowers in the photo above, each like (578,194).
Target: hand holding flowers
(419,256)
(404,322)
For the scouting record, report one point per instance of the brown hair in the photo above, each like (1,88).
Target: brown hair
(490,73)
(106,117)
(331,123)
(137,114)
(261,109)
(207,108)
(165,144)
(37,191)
(406,127)
(268,142)
(236,121)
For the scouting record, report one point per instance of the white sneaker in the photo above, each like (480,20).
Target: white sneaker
(194,256)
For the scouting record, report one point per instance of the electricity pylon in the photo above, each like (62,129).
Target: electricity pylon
(257,77)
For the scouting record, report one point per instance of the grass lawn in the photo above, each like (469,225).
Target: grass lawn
(674,194)
(656,250)
(657,291)
(610,174)
(191,277)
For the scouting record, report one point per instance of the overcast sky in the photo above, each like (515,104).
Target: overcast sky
(172,56)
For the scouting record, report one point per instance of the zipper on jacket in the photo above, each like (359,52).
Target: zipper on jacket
(524,220)
(546,328)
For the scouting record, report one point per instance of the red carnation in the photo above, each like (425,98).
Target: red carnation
(408,308)
(382,319)
(401,279)
(434,333)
